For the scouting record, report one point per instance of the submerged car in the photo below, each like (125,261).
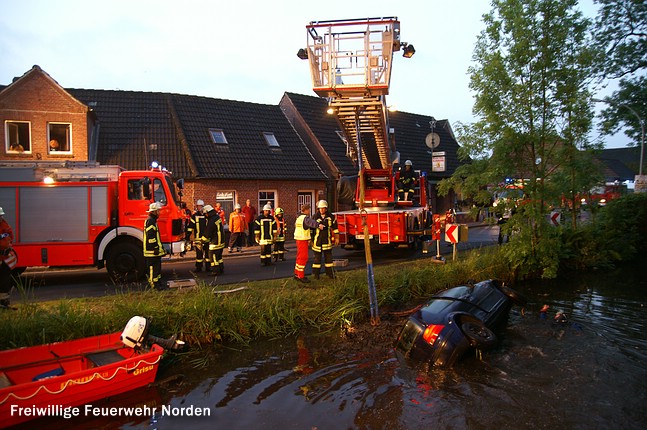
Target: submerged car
(457,320)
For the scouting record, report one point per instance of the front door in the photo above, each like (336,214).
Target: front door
(304,198)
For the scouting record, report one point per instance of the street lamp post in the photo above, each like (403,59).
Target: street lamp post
(642,131)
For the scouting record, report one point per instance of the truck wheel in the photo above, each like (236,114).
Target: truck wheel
(479,336)
(125,262)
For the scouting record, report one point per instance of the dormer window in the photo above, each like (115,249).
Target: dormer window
(271,140)
(218,136)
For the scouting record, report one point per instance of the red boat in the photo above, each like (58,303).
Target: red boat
(55,379)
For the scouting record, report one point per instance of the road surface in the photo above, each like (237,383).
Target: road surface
(52,284)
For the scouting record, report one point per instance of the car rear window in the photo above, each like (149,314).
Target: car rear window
(434,308)
(456,292)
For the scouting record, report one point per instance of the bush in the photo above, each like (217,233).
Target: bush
(617,233)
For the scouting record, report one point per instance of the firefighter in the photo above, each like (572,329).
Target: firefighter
(302,235)
(153,248)
(197,224)
(4,226)
(406,182)
(214,234)
(281,230)
(324,240)
(265,233)
(186,213)
(8,261)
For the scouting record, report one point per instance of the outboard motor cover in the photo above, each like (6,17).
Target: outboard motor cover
(135,332)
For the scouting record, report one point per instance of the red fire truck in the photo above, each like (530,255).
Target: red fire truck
(350,64)
(86,214)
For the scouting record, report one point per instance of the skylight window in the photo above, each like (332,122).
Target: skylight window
(218,136)
(271,140)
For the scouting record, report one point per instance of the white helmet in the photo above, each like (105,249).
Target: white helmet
(408,163)
(267,208)
(154,207)
(199,203)
(1,211)
(236,206)
(207,208)
(322,204)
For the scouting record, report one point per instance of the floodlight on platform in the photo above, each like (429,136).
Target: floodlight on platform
(407,50)
(303,54)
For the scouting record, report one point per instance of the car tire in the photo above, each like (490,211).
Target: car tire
(478,335)
(514,296)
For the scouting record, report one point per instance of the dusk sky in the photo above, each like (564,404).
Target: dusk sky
(244,50)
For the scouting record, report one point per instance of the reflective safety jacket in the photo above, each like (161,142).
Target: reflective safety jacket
(152,242)
(281,229)
(197,224)
(265,229)
(214,232)
(324,239)
(302,227)
(8,256)
(407,180)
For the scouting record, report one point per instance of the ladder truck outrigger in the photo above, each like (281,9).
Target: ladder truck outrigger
(85,214)
(350,64)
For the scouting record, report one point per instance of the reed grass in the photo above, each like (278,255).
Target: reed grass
(273,308)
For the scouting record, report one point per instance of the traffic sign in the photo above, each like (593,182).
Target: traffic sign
(555,218)
(451,233)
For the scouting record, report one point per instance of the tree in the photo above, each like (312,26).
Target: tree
(531,79)
(621,38)
(621,35)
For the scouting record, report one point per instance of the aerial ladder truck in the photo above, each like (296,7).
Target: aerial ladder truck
(350,64)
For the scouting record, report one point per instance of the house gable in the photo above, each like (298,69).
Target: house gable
(41,120)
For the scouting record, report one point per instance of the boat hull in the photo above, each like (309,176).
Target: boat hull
(44,380)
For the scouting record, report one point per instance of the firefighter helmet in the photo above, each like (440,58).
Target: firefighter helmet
(236,206)
(199,203)
(278,211)
(154,207)
(408,163)
(1,211)
(267,208)
(207,209)
(322,204)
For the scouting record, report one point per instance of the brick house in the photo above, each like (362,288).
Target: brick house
(322,134)
(227,151)
(42,121)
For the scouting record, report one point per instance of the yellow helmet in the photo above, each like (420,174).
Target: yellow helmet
(278,211)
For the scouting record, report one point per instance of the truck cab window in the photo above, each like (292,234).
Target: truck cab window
(135,190)
(158,192)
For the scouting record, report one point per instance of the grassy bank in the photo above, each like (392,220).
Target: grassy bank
(264,309)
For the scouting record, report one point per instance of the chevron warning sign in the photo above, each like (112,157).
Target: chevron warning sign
(451,233)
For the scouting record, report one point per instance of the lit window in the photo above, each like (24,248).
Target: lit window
(17,136)
(218,136)
(59,137)
(271,140)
